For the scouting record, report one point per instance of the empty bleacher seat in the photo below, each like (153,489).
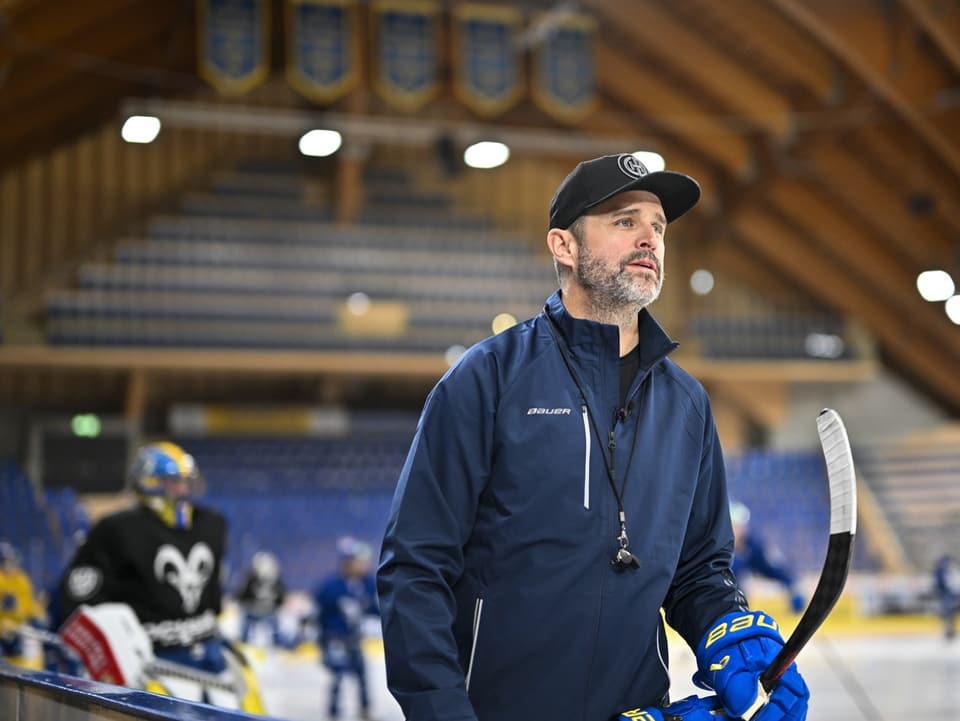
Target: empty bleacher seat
(916,481)
(246,268)
(781,336)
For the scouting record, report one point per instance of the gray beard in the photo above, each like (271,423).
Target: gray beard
(613,297)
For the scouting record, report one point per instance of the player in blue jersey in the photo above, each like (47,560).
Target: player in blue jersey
(753,556)
(946,586)
(344,600)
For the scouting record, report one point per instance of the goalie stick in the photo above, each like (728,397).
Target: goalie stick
(836,564)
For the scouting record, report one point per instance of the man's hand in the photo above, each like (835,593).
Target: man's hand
(733,654)
(692,708)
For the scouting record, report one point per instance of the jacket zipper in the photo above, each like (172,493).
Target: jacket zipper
(477,610)
(586,457)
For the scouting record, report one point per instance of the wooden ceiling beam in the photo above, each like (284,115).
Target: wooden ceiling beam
(760,33)
(727,258)
(75,112)
(941,22)
(44,26)
(70,99)
(661,104)
(914,168)
(856,33)
(85,55)
(752,103)
(896,331)
(881,202)
(860,252)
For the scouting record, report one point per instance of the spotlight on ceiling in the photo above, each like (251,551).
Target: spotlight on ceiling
(935,285)
(486,154)
(952,307)
(320,143)
(140,129)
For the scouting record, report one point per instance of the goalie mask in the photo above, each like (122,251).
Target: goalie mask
(165,478)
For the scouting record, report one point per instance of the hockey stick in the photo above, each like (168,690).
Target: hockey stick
(836,564)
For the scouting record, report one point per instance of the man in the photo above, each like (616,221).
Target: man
(343,600)
(564,484)
(162,558)
(752,556)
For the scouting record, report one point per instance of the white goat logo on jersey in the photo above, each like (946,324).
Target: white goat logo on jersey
(188,575)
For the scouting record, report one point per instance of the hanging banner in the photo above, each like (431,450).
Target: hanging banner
(486,60)
(564,75)
(323,57)
(406,39)
(233,43)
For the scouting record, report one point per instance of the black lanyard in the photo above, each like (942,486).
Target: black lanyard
(623,557)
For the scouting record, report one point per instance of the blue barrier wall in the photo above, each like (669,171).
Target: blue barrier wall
(41,696)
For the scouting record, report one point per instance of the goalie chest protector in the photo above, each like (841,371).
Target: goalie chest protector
(170,577)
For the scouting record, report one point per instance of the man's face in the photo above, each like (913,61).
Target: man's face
(620,261)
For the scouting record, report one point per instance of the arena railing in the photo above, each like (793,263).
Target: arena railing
(27,695)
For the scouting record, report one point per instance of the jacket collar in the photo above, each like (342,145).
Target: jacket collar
(655,344)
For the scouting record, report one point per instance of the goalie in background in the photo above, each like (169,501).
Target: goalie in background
(162,558)
(753,557)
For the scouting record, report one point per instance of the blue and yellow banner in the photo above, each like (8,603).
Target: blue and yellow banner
(406,41)
(323,55)
(233,43)
(487,61)
(564,74)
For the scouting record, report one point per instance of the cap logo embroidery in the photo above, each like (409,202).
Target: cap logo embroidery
(631,166)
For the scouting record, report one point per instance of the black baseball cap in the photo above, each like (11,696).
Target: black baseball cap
(594,181)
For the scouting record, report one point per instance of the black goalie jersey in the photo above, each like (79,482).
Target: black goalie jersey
(170,577)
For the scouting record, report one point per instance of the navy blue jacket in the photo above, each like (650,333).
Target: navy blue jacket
(499,599)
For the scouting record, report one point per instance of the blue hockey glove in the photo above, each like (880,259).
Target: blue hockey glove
(692,708)
(731,657)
